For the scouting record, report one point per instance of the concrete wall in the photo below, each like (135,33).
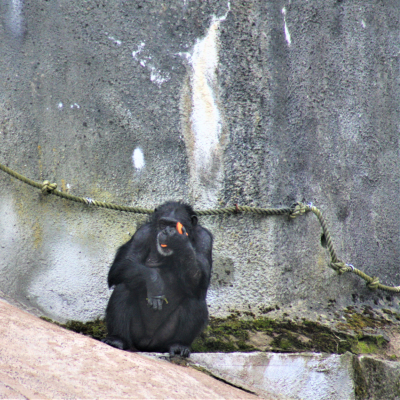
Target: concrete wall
(260,103)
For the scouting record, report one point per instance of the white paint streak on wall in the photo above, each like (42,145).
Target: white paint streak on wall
(13,246)
(138,158)
(206,117)
(156,76)
(138,51)
(116,41)
(206,120)
(186,55)
(287,33)
(15,17)
(8,228)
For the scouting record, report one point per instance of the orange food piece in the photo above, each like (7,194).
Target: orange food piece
(179,227)
(163,245)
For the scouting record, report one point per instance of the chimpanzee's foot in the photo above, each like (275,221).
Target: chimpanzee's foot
(179,350)
(116,342)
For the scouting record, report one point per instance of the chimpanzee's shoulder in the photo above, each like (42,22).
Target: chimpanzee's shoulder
(203,234)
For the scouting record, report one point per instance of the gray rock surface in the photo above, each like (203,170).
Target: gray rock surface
(260,103)
(305,376)
(377,379)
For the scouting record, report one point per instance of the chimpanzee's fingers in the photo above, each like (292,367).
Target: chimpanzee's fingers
(153,303)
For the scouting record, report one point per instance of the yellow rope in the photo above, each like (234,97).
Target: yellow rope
(339,266)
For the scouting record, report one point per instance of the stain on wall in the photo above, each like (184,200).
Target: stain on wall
(203,122)
(14,17)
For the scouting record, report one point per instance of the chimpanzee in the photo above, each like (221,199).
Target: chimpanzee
(161,276)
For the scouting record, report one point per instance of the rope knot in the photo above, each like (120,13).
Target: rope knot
(374,283)
(340,267)
(299,209)
(48,187)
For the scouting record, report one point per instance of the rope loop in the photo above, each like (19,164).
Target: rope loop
(48,187)
(299,209)
(340,267)
(374,284)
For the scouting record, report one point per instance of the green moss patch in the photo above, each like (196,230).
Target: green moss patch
(264,334)
(96,329)
(246,333)
(358,322)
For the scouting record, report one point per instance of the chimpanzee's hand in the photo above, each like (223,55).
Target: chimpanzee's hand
(173,239)
(155,290)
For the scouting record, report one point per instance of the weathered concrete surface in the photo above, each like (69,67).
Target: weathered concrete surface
(39,360)
(257,102)
(306,376)
(377,379)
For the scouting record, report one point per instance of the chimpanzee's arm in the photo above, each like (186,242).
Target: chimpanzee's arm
(203,248)
(195,260)
(128,268)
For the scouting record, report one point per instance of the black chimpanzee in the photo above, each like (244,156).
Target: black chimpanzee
(161,276)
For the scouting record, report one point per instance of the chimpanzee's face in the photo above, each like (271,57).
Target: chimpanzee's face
(172,222)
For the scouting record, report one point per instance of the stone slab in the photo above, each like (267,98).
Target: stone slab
(39,360)
(306,376)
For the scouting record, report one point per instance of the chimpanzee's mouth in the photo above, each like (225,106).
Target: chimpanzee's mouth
(162,248)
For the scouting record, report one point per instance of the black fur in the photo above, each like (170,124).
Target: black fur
(161,279)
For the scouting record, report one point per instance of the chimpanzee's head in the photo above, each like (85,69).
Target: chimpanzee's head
(169,219)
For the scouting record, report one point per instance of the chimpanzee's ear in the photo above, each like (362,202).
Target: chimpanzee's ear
(194,220)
